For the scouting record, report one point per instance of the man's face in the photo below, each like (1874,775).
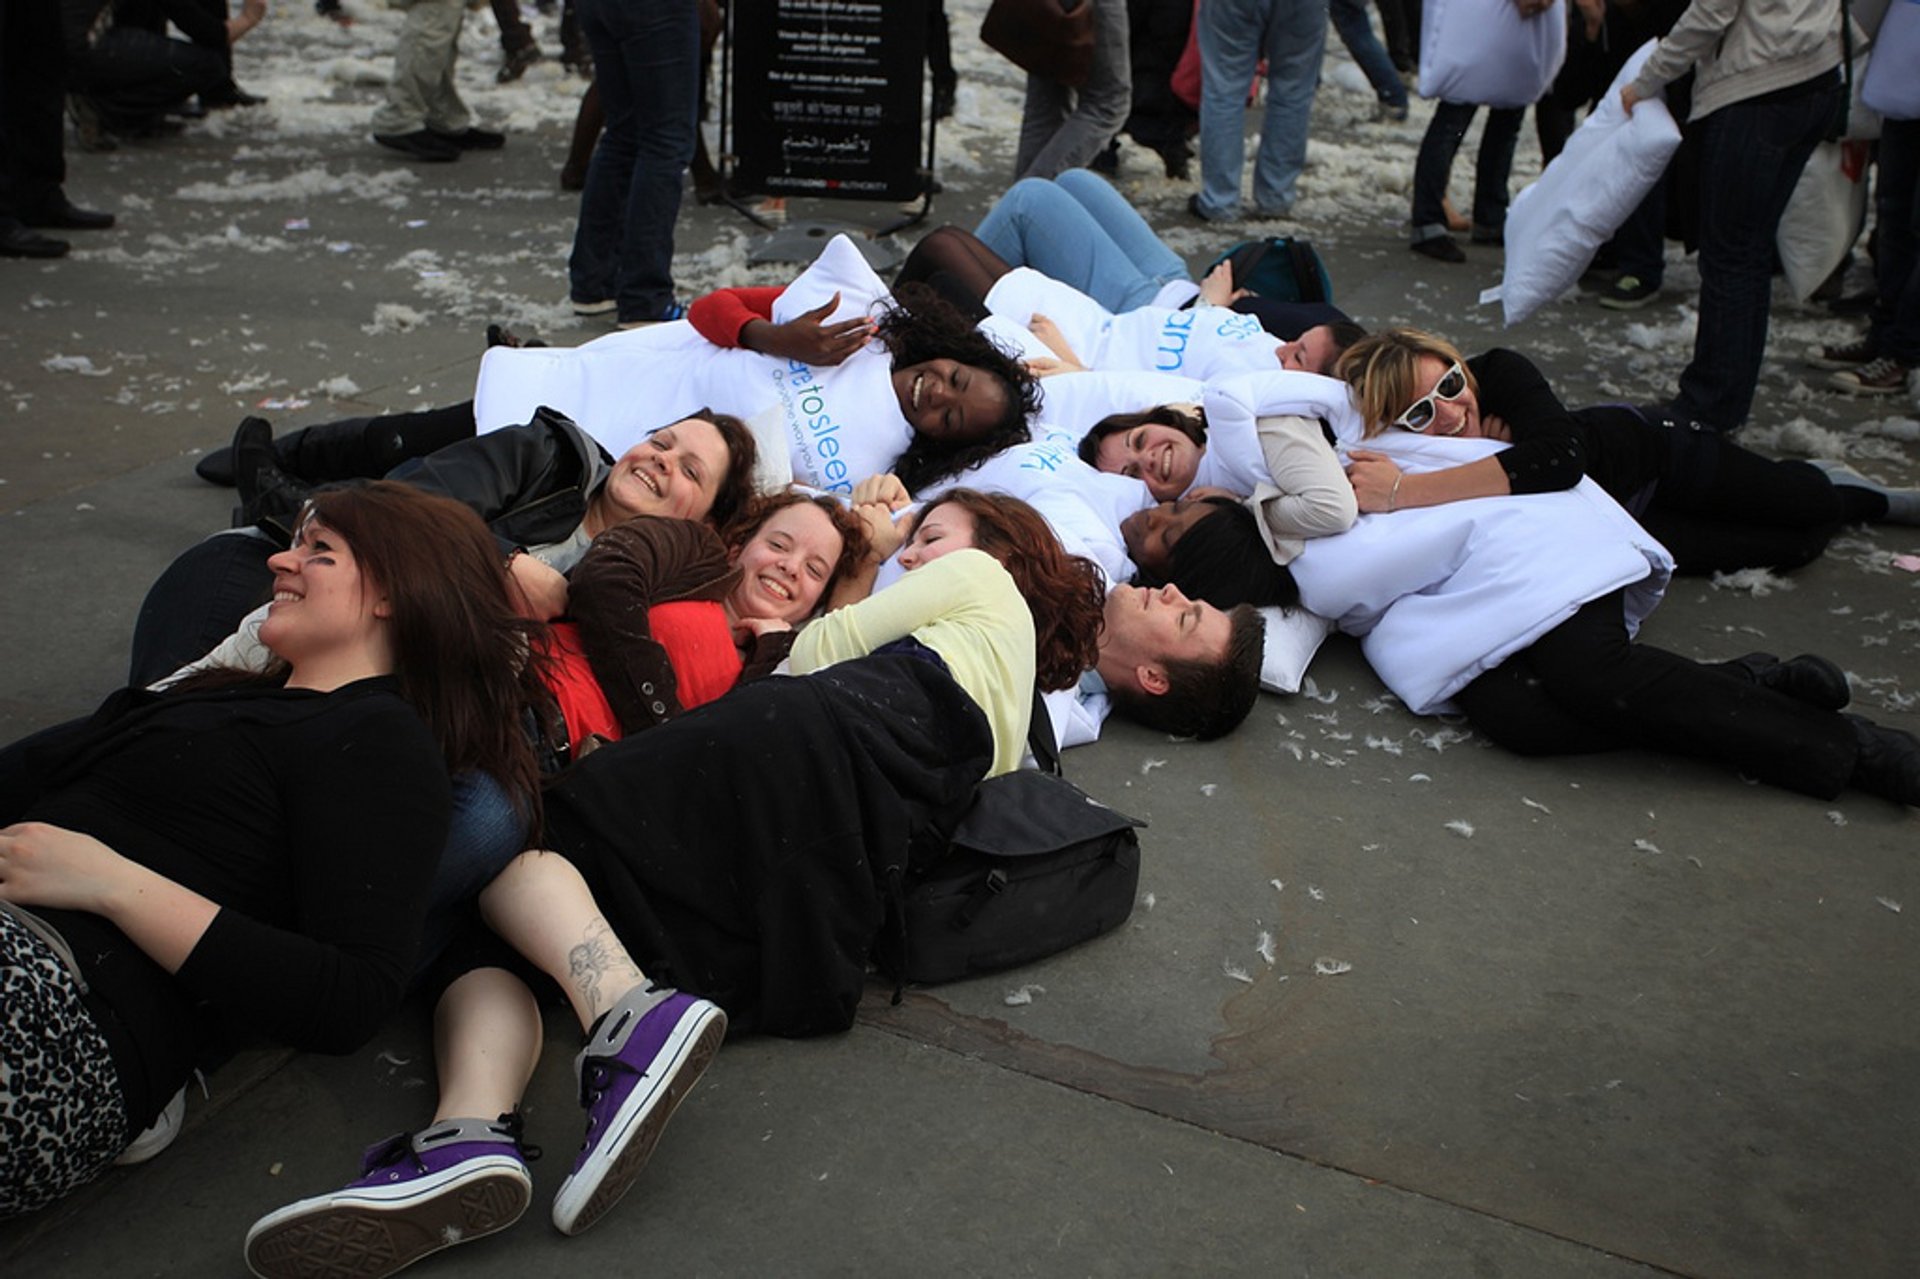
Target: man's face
(1149,627)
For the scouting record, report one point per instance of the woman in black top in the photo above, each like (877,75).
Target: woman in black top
(1716,506)
(248,853)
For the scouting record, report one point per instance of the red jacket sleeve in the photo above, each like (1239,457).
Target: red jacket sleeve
(719,316)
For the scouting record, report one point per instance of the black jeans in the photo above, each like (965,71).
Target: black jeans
(134,75)
(1491,169)
(1585,687)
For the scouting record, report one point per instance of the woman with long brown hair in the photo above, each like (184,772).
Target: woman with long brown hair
(248,850)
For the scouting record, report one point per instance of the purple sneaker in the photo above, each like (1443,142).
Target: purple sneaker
(441,1186)
(643,1056)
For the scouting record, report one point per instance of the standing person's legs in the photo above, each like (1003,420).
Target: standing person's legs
(1896,308)
(1296,39)
(1640,245)
(1229,38)
(1038,224)
(1098,108)
(1349,18)
(1124,226)
(423,71)
(1491,170)
(33,162)
(1403,38)
(1751,155)
(646,62)
(1431,167)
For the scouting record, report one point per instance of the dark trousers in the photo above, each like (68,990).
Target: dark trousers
(646,60)
(1585,687)
(1490,171)
(1896,308)
(134,75)
(199,601)
(32,89)
(1751,155)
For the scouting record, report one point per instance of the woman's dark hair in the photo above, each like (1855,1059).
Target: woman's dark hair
(1190,420)
(1065,593)
(1223,560)
(736,488)
(466,662)
(853,534)
(920,326)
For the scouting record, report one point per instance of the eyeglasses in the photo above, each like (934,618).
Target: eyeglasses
(1420,414)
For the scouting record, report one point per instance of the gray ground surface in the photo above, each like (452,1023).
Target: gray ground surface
(1644,1016)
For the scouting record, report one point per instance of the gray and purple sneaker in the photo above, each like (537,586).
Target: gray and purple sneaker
(642,1057)
(443,1185)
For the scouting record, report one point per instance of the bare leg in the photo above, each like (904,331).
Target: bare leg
(542,907)
(486,1039)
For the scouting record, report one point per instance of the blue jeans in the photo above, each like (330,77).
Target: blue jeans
(1234,36)
(1356,32)
(1896,308)
(1640,245)
(646,58)
(1079,230)
(485,833)
(1491,168)
(1751,155)
(1064,128)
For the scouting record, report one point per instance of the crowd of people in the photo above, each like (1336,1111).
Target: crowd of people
(857,535)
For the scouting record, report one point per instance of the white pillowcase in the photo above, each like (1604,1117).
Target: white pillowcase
(1483,51)
(1293,637)
(1892,83)
(1609,164)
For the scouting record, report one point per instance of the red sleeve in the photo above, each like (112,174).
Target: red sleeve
(719,316)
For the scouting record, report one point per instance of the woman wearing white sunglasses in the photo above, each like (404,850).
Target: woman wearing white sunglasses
(1715,505)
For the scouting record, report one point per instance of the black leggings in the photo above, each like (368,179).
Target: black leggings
(368,447)
(1585,687)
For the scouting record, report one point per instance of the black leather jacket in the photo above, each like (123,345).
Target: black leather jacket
(531,483)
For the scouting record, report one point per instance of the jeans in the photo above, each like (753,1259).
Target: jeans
(1751,155)
(1896,308)
(1585,686)
(1491,168)
(646,57)
(421,94)
(1356,32)
(1640,245)
(1079,230)
(484,834)
(1234,36)
(1064,128)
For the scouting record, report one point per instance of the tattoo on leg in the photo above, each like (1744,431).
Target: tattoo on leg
(599,967)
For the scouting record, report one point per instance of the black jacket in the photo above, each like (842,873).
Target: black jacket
(531,483)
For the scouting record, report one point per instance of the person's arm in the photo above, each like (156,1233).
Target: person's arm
(252,14)
(1314,498)
(628,569)
(914,601)
(504,470)
(1381,487)
(720,316)
(878,501)
(1697,30)
(45,865)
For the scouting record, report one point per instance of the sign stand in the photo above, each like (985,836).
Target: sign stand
(823,99)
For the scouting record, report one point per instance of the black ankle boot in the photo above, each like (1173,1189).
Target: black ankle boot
(269,497)
(1888,763)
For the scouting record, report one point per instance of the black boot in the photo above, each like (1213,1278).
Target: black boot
(1888,764)
(269,497)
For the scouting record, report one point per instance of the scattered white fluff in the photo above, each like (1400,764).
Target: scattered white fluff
(1148,900)
(1390,745)
(1837,817)
(1646,846)
(1024,995)
(1463,829)
(1265,946)
(1313,693)
(73,364)
(1208,788)
(1419,777)
(1317,894)
(296,189)
(1534,803)
(1889,903)
(1150,765)
(1278,887)
(1236,972)
(1294,749)
(393,317)
(1759,582)
(339,388)
(1326,967)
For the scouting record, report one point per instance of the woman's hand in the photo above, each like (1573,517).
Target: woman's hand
(1628,97)
(884,535)
(885,489)
(1054,340)
(1375,480)
(807,338)
(542,590)
(1532,8)
(1217,289)
(749,629)
(42,865)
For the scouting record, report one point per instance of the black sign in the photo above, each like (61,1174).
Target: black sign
(826,97)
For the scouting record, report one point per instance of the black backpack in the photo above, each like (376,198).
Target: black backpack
(1034,866)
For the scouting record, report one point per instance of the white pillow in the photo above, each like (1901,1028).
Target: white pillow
(1891,86)
(841,269)
(1483,51)
(1823,218)
(1609,164)
(1293,637)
